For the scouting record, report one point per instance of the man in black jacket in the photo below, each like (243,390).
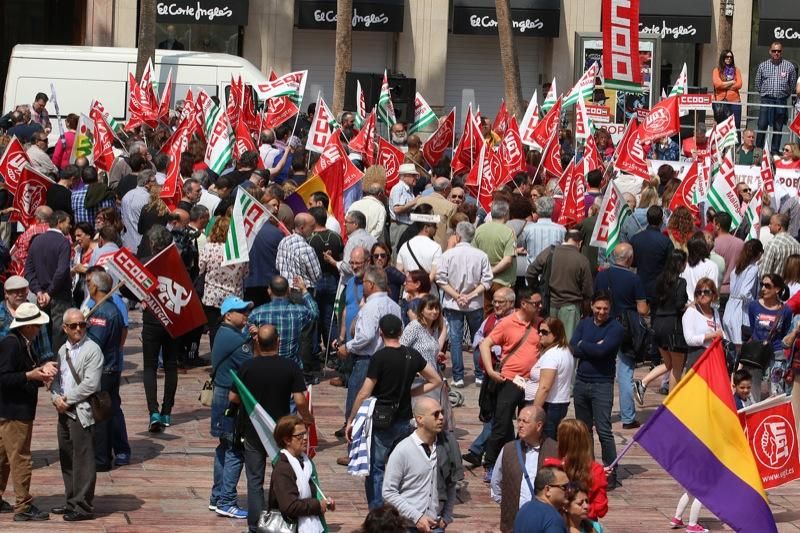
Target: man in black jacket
(20,378)
(47,269)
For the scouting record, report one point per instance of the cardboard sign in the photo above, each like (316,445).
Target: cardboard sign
(694,102)
(598,113)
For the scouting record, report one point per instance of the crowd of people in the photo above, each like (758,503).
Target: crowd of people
(390,298)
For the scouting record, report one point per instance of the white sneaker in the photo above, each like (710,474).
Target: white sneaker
(478,382)
(459,384)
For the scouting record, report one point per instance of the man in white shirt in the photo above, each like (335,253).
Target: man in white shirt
(402,201)
(420,252)
(374,209)
(132,204)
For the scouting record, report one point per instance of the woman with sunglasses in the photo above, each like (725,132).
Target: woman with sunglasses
(575,450)
(424,332)
(770,321)
(727,80)
(293,485)
(701,323)
(550,382)
(379,256)
(417,284)
(576,510)
(790,157)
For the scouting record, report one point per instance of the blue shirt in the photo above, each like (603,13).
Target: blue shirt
(105,328)
(232,347)
(596,362)
(538,517)
(353,292)
(41,344)
(262,256)
(625,287)
(651,249)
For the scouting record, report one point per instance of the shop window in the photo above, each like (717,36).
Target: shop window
(210,38)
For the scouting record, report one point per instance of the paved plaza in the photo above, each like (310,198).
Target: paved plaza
(166,487)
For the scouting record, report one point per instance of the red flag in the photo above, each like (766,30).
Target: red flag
(573,209)
(280,109)
(390,158)
(683,196)
(795,125)
(235,101)
(313,440)
(469,146)
(198,126)
(12,164)
(489,171)
(551,158)
(249,115)
(146,85)
(125,266)
(244,142)
(188,105)
(500,123)
(621,41)
(338,173)
(767,173)
(662,121)
(140,111)
(31,193)
(512,154)
(630,154)
(441,140)
(548,126)
(174,147)
(772,435)
(166,95)
(103,140)
(592,155)
(174,301)
(364,142)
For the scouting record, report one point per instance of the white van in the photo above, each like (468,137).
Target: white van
(80,74)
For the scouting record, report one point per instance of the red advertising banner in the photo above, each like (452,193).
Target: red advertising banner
(621,41)
(771,432)
(125,266)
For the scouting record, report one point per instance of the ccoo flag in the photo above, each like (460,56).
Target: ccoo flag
(259,417)
(613,212)
(696,436)
(248,217)
(423,115)
(385,107)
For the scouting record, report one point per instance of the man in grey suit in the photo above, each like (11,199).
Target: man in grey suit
(80,362)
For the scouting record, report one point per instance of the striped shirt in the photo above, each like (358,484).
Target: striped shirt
(359,449)
(296,258)
(776,81)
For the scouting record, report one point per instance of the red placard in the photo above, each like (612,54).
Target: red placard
(772,436)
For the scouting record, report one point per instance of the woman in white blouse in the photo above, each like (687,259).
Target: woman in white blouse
(698,264)
(701,323)
(550,383)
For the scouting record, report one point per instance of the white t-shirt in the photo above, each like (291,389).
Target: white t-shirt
(426,250)
(692,274)
(560,360)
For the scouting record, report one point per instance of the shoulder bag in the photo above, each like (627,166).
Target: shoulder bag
(487,398)
(100,401)
(385,411)
(274,522)
(758,354)
(206,397)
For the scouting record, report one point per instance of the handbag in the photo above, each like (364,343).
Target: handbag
(274,522)
(487,397)
(100,401)
(206,397)
(758,354)
(384,412)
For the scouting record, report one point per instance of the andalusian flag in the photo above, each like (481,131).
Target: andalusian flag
(248,217)
(551,98)
(584,88)
(753,214)
(385,107)
(614,210)
(82,147)
(219,134)
(259,417)
(725,134)
(681,84)
(722,194)
(423,114)
(361,106)
(291,85)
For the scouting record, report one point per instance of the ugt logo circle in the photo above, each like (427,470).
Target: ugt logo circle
(773,442)
(658,120)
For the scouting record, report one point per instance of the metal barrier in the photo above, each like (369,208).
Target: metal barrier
(751,107)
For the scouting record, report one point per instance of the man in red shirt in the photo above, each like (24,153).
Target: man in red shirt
(697,144)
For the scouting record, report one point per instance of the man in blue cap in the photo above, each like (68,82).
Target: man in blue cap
(232,347)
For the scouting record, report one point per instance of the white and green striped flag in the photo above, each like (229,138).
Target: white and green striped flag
(292,85)
(220,139)
(360,116)
(725,134)
(722,194)
(423,114)
(614,210)
(385,107)
(583,89)
(248,217)
(551,98)
(259,417)
(753,215)
(681,84)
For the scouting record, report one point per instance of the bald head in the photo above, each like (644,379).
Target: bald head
(442,186)
(359,253)
(181,217)
(506,293)
(530,422)
(267,340)
(425,406)
(304,224)
(623,254)
(43,214)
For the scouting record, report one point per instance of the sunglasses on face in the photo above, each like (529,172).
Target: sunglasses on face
(76,325)
(746,191)
(703,292)
(768,285)
(544,332)
(776,51)
(437,414)
(379,256)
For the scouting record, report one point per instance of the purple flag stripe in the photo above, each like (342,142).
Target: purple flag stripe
(693,465)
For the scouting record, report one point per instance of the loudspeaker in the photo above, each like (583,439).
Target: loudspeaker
(402,90)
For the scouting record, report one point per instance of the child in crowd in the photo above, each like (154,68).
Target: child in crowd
(694,513)
(742,384)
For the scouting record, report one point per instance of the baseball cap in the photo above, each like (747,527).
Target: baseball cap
(234,303)
(391,326)
(408,168)
(14,283)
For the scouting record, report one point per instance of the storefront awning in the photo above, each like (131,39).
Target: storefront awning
(677,21)
(533,18)
(779,20)
(230,12)
(368,15)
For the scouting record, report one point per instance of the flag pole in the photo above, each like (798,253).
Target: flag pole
(296,117)
(544,151)
(339,293)
(108,296)
(621,454)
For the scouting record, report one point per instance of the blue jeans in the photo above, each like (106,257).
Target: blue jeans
(771,116)
(555,414)
(478,446)
(325,295)
(627,407)
(736,109)
(228,461)
(382,440)
(455,326)
(593,403)
(357,377)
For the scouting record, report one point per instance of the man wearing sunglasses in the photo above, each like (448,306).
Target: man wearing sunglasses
(541,514)
(775,81)
(80,369)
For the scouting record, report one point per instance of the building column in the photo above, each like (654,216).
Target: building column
(576,17)
(268,35)
(422,48)
(124,23)
(99,23)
